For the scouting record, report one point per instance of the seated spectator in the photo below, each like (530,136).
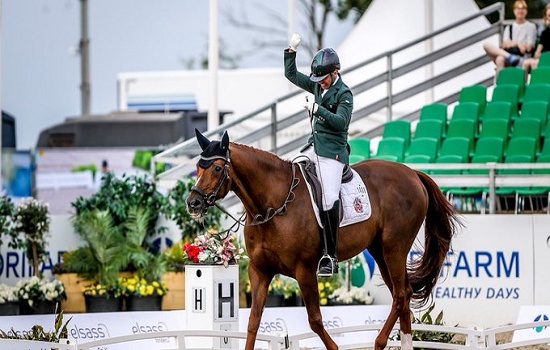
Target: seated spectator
(518,41)
(544,43)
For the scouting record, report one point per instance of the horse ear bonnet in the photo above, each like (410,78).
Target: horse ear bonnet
(212,150)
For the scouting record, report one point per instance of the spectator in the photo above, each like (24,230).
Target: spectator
(544,43)
(518,42)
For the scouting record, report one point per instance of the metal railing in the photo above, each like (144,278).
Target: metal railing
(270,134)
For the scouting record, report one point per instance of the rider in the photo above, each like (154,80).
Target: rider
(330,115)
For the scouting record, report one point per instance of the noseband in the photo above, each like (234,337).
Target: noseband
(210,199)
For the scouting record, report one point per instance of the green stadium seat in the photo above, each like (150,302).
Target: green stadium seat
(536,110)
(489,146)
(425,146)
(537,92)
(540,75)
(495,128)
(391,148)
(429,128)
(466,110)
(355,158)
(498,110)
(359,146)
(437,111)
(507,93)
(456,146)
(474,93)
(527,127)
(514,76)
(539,196)
(463,128)
(398,128)
(544,59)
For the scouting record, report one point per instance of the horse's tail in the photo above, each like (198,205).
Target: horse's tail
(440,225)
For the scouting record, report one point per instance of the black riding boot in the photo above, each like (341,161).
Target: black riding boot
(328,264)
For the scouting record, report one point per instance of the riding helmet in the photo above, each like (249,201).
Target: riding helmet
(324,62)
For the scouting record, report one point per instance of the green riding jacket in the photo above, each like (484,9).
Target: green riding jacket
(331,121)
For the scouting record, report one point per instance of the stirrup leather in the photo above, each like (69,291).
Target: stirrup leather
(332,263)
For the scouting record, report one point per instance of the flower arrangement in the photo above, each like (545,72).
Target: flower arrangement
(109,291)
(211,248)
(351,295)
(140,287)
(37,289)
(8,293)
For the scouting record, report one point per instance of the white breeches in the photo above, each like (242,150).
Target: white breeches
(329,172)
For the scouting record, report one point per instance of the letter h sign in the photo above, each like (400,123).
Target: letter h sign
(226,300)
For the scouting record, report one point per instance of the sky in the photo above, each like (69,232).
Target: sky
(40,65)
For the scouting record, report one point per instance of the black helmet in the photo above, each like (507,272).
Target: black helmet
(324,62)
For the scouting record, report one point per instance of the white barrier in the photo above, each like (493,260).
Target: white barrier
(80,179)
(474,339)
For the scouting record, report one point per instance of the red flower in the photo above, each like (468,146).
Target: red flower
(192,251)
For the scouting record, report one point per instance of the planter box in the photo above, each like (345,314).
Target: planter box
(175,296)
(73,288)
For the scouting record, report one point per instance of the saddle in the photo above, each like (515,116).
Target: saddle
(354,198)
(310,175)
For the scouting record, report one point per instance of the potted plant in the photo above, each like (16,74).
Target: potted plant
(39,295)
(9,300)
(174,278)
(143,295)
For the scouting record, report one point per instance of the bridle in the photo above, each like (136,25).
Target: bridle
(258,219)
(210,199)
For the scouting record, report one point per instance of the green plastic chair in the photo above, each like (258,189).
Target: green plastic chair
(418,158)
(527,127)
(360,146)
(536,110)
(425,146)
(507,93)
(437,111)
(463,128)
(398,128)
(537,92)
(545,146)
(498,110)
(495,128)
(489,146)
(429,128)
(506,194)
(514,76)
(466,110)
(391,148)
(474,93)
(456,146)
(540,75)
(544,59)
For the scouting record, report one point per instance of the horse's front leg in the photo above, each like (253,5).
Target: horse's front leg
(259,284)
(307,280)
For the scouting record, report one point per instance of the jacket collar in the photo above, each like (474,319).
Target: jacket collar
(333,89)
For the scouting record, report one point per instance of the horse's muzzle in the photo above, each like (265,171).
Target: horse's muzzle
(195,205)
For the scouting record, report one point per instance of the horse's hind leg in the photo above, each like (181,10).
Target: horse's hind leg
(259,284)
(395,277)
(307,280)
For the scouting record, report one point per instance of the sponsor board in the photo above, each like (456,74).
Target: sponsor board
(532,313)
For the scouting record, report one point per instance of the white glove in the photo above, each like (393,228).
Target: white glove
(311,106)
(295,41)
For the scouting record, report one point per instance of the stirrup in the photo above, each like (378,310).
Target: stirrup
(323,271)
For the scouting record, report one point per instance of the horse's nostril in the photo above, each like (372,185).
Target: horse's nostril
(194,202)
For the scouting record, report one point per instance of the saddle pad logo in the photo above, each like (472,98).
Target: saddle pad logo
(357,205)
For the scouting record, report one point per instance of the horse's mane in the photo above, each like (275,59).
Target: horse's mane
(262,154)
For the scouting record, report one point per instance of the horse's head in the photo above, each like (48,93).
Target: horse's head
(212,175)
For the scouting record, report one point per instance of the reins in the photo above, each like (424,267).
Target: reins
(257,219)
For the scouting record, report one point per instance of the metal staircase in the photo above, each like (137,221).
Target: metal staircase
(282,127)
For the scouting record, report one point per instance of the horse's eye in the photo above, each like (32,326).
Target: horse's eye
(217,169)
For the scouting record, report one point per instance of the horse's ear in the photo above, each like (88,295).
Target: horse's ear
(203,141)
(225,140)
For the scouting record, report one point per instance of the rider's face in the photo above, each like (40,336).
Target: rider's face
(325,83)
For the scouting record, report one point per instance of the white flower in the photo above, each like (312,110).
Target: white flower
(353,295)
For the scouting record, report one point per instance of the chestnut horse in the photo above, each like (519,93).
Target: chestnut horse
(282,235)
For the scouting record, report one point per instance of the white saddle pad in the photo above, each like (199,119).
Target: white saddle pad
(354,201)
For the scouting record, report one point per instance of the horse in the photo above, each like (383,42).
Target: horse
(282,235)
